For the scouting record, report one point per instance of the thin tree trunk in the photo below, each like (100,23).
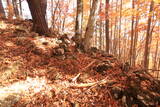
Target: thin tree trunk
(54,13)
(132,35)
(2,12)
(10,10)
(155,56)
(20,8)
(100,27)
(146,52)
(120,19)
(115,33)
(79,18)
(107,27)
(135,39)
(15,7)
(158,68)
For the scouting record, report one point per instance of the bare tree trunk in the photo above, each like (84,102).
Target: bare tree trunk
(38,12)
(155,56)
(115,33)
(10,10)
(132,34)
(120,19)
(107,27)
(2,12)
(79,18)
(100,28)
(15,7)
(100,35)
(54,13)
(146,52)
(158,68)
(135,39)
(20,8)
(90,26)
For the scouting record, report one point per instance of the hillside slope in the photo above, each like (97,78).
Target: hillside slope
(50,71)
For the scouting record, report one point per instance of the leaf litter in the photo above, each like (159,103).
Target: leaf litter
(38,71)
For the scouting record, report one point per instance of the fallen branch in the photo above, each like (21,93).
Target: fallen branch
(89,65)
(76,77)
(83,85)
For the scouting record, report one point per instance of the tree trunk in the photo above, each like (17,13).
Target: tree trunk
(38,12)
(10,10)
(79,17)
(146,52)
(100,28)
(20,8)
(107,26)
(115,32)
(135,38)
(2,12)
(155,56)
(132,35)
(15,7)
(90,26)
(53,13)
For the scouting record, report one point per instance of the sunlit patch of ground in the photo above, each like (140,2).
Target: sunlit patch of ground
(44,43)
(3,25)
(9,43)
(8,70)
(25,88)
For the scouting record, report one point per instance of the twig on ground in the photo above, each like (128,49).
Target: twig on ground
(76,77)
(84,85)
(89,65)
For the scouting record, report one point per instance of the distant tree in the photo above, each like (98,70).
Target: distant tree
(107,26)
(2,12)
(91,23)
(20,8)
(148,37)
(79,18)
(15,7)
(132,34)
(10,9)
(38,12)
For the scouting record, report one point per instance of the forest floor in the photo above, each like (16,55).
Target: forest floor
(35,71)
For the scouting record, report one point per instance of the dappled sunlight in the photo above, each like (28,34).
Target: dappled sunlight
(26,88)
(9,43)
(3,25)
(44,43)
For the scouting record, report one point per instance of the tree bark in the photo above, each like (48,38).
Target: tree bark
(132,34)
(100,28)
(38,12)
(107,26)
(2,12)
(10,10)
(146,52)
(54,12)
(20,8)
(135,39)
(90,26)
(115,32)
(155,56)
(79,18)
(15,7)
(120,22)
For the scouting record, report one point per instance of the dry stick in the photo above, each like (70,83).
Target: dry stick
(76,77)
(89,65)
(84,85)
(83,69)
